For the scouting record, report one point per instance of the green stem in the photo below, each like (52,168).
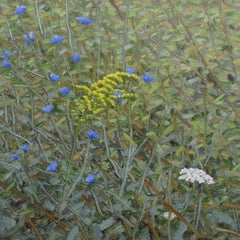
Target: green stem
(85,162)
(64,195)
(198,210)
(130,154)
(29,182)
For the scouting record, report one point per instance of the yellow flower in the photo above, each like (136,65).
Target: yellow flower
(99,96)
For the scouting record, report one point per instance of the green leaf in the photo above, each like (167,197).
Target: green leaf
(60,121)
(6,223)
(73,233)
(129,139)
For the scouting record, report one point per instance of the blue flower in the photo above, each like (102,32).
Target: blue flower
(64,90)
(25,148)
(47,109)
(6,54)
(20,9)
(54,77)
(130,70)
(56,39)
(75,57)
(147,77)
(90,178)
(15,156)
(52,167)
(84,20)
(118,96)
(6,63)
(92,134)
(29,37)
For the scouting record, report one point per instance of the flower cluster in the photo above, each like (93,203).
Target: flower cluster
(4,57)
(25,149)
(169,215)
(195,175)
(102,94)
(30,38)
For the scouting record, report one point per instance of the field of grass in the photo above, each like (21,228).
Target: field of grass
(120,119)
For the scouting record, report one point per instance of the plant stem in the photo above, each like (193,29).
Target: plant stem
(64,195)
(198,209)
(85,162)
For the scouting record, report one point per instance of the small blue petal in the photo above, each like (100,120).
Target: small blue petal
(56,39)
(75,57)
(84,20)
(47,109)
(64,90)
(118,96)
(54,77)
(130,70)
(25,148)
(29,37)
(90,178)
(8,53)
(52,167)
(20,9)
(6,63)
(92,134)
(147,77)
(15,156)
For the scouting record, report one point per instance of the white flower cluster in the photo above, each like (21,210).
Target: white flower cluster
(195,174)
(169,215)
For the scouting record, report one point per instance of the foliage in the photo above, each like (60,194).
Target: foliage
(103,103)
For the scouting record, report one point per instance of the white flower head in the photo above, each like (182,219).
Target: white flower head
(195,175)
(169,215)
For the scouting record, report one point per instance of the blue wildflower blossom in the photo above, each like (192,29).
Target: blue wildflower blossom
(7,53)
(20,9)
(56,39)
(29,37)
(84,20)
(52,167)
(90,178)
(92,134)
(147,77)
(25,148)
(130,70)
(54,77)
(6,63)
(47,109)
(75,58)
(64,90)
(118,96)
(15,156)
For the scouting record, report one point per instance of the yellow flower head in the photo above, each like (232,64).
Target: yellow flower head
(102,94)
